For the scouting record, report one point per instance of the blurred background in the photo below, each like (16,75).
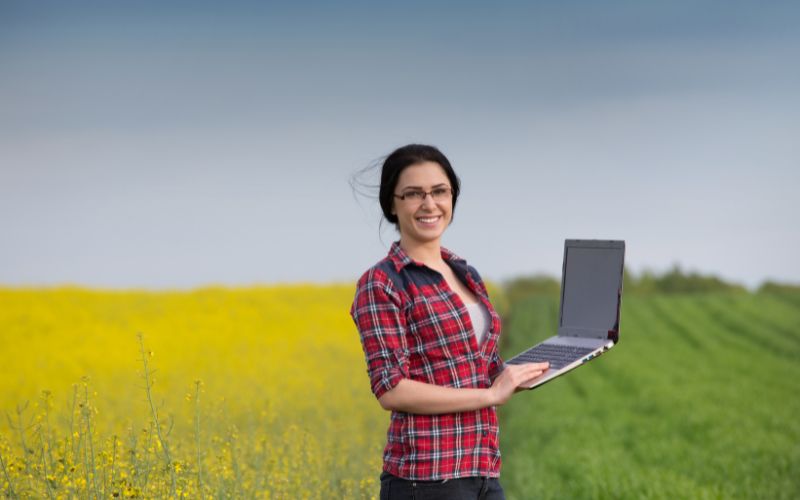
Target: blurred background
(177,144)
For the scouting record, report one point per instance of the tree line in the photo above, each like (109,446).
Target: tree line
(674,280)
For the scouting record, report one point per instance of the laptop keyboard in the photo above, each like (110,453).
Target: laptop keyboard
(558,355)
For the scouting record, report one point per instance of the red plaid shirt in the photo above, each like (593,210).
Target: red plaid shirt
(413,325)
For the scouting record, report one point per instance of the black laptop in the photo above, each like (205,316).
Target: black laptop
(591,294)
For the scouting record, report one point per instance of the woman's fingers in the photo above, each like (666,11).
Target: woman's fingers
(539,366)
(530,371)
(520,374)
(515,376)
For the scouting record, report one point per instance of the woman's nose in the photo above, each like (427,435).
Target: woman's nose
(429,202)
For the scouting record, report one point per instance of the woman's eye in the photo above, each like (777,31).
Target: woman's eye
(414,195)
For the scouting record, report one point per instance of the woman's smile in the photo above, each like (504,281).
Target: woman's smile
(429,221)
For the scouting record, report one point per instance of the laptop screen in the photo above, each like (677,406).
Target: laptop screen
(591,288)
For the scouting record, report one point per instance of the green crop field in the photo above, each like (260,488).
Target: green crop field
(700,399)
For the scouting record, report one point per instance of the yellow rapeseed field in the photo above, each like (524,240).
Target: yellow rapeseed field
(245,393)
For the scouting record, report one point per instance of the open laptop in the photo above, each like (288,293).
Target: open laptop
(591,292)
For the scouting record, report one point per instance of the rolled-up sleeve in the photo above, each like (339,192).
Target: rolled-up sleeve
(377,312)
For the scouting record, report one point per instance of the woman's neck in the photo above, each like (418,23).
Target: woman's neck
(428,253)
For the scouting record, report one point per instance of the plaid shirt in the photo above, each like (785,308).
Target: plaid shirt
(413,325)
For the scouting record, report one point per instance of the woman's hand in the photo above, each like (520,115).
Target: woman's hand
(512,377)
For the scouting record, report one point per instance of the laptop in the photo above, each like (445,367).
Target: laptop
(591,293)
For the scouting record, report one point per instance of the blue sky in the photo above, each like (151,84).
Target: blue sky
(199,143)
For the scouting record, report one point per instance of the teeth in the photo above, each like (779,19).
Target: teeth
(428,220)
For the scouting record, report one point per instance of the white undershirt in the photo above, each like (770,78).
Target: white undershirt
(481,321)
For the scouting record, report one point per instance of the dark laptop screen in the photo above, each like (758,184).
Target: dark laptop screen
(591,288)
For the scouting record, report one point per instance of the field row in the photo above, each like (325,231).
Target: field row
(698,400)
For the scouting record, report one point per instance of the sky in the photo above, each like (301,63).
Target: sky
(213,143)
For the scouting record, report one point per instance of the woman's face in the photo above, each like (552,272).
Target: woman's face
(423,221)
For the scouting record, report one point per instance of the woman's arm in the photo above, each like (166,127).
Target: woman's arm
(411,396)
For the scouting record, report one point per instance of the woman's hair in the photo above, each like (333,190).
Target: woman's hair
(398,160)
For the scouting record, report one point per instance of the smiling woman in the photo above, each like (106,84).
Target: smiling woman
(430,337)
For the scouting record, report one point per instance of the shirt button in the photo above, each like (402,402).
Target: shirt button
(485,433)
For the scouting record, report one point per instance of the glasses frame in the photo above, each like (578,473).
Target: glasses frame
(425,194)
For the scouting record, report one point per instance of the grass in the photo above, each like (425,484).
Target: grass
(698,400)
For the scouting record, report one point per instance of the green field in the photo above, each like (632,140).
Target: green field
(700,399)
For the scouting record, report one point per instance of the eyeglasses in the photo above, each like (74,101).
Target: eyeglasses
(418,195)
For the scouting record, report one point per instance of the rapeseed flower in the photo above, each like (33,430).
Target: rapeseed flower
(264,427)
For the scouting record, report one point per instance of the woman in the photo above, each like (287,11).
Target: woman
(430,337)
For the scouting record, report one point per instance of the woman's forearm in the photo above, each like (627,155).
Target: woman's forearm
(411,396)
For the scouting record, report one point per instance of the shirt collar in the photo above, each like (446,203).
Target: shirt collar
(401,259)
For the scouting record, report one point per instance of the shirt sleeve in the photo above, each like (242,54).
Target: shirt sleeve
(378,316)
